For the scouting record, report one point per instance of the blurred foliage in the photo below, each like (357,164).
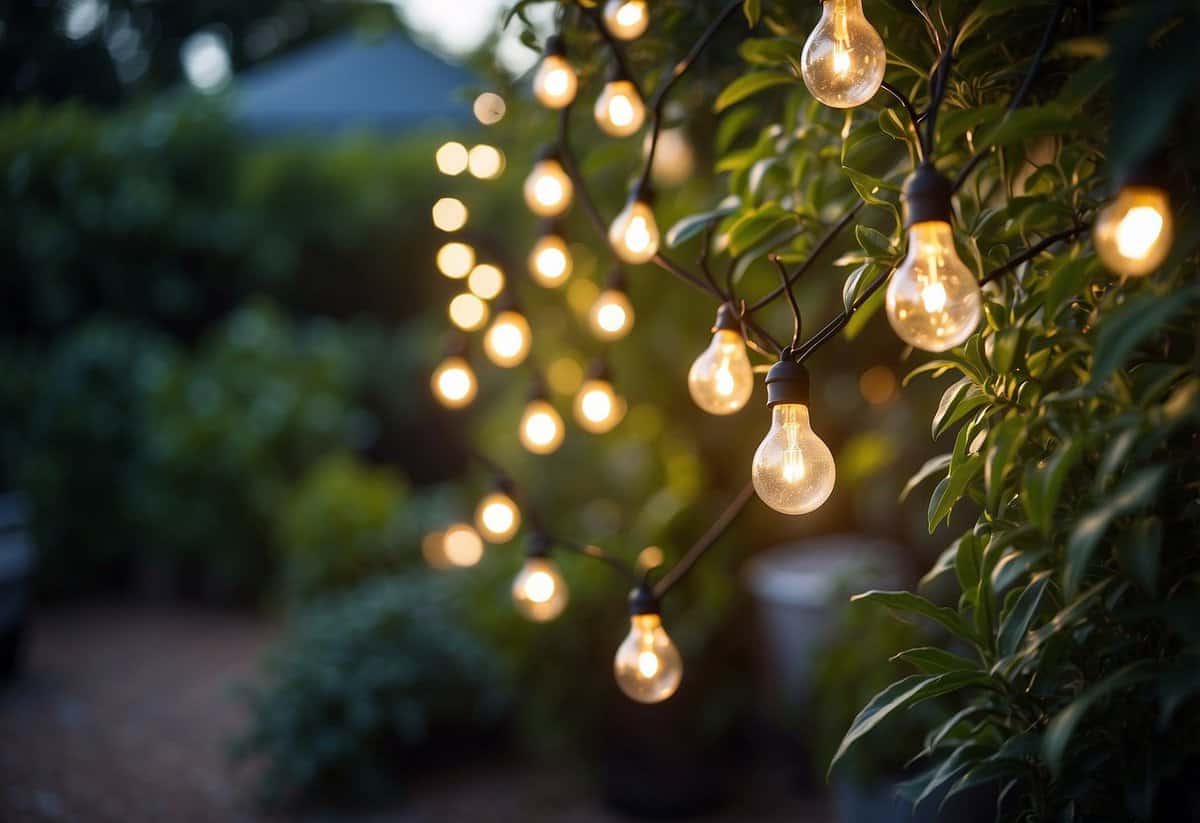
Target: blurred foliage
(364,679)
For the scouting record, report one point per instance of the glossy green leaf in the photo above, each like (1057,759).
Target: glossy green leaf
(1123,330)
(750,84)
(1132,494)
(909,603)
(1062,728)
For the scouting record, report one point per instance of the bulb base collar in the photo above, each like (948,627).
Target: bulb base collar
(727,320)
(787,382)
(927,197)
(643,601)
(555,47)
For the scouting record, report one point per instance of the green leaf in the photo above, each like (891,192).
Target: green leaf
(854,282)
(693,224)
(932,660)
(948,492)
(959,399)
(1033,121)
(765,51)
(968,561)
(907,602)
(1062,727)
(1018,621)
(1132,494)
(751,228)
(753,11)
(1005,441)
(1124,329)
(750,84)
(1139,552)
(873,242)
(1042,483)
(872,189)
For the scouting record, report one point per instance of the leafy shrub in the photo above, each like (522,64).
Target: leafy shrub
(363,680)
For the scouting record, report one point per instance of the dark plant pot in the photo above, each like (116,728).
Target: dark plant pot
(856,802)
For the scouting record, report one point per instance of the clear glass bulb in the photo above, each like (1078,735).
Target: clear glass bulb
(539,591)
(462,545)
(933,300)
(454,383)
(508,339)
(674,159)
(598,408)
(541,428)
(548,189)
(721,380)
(619,110)
(844,57)
(555,82)
(647,666)
(793,468)
(634,233)
(1133,235)
(611,317)
(626,19)
(497,517)
(550,261)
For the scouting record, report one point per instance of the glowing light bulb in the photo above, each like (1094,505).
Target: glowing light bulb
(626,19)
(674,159)
(508,340)
(933,300)
(555,82)
(619,110)
(539,591)
(548,189)
(647,666)
(634,233)
(462,545)
(497,517)
(449,214)
(468,312)
(844,58)
(550,261)
(793,469)
(721,380)
(489,108)
(455,260)
(1133,235)
(451,158)
(611,316)
(598,408)
(485,281)
(541,428)
(485,162)
(454,383)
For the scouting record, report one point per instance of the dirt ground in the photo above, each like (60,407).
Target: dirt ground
(123,714)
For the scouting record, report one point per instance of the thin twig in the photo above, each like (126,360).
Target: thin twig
(913,118)
(820,247)
(1033,251)
(705,542)
(787,289)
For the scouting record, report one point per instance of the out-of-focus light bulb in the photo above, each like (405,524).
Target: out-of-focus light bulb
(485,162)
(455,260)
(634,233)
(508,340)
(619,110)
(550,261)
(721,379)
(555,82)
(844,58)
(626,19)
(933,301)
(548,188)
(598,408)
(793,469)
(433,549)
(497,517)
(451,158)
(486,281)
(539,591)
(449,214)
(454,383)
(541,429)
(462,545)
(674,159)
(489,108)
(611,316)
(1133,234)
(647,666)
(468,312)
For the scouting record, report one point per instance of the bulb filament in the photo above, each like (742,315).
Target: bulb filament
(1138,231)
(793,457)
(637,236)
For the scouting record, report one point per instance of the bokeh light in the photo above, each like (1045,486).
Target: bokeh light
(468,312)
(449,214)
(486,281)
(485,162)
(489,108)
(455,260)
(452,158)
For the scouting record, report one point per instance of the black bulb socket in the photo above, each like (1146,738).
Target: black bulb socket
(727,320)
(927,197)
(787,382)
(599,370)
(550,153)
(643,601)
(1150,174)
(555,46)
(538,545)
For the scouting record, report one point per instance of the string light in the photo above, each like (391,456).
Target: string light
(497,517)
(633,235)
(674,159)
(844,58)
(454,383)
(793,469)
(486,281)
(541,428)
(611,316)
(539,591)
(555,83)
(462,545)
(550,261)
(619,109)
(933,301)
(468,312)
(455,260)
(598,407)
(452,158)
(647,665)
(721,379)
(449,214)
(548,189)
(626,19)
(1133,235)
(485,162)
(508,340)
(489,108)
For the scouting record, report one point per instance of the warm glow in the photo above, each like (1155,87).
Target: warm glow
(721,379)
(548,189)
(497,517)
(489,108)
(634,233)
(539,591)
(454,383)
(598,408)
(877,385)
(508,340)
(462,545)
(793,469)
(449,214)
(468,312)
(650,557)
(611,316)
(647,665)
(455,260)
(486,281)
(541,428)
(674,158)
(433,549)
(452,158)
(555,82)
(550,261)
(626,19)
(933,300)
(485,162)
(844,58)
(1133,235)
(619,111)
(564,375)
